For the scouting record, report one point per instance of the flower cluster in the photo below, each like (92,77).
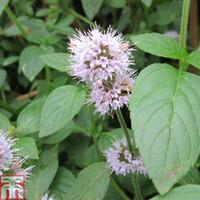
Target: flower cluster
(102,59)
(10,162)
(121,161)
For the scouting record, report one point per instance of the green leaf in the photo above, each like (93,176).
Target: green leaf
(43,174)
(192,177)
(147,2)
(165,107)
(159,45)
(62,183)
(91,7)
(194,58)
(27,147)
(30,61)
(92,183)
(60,107)
(3,4)
(188,192)
(10,60)
(60,135)
(117,3)
(28,120)
(2,77)
(4,121)
(56,61)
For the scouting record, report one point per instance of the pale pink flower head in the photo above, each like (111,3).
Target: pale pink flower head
(120,160)
(111,94)
(96,55)
(6,150)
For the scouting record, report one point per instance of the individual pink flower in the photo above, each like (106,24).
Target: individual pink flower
(120,160)
(96,55)
(111,94)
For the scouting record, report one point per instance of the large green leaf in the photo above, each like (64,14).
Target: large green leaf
(165,114)
(28,120)
(194,58)
(3,4)
(30,62)
(159,45)
(27,147)
(43,174)
(61,134)
(91,7)
(60,107)
(188,192)
(56,61)
(62,183)
(92,183)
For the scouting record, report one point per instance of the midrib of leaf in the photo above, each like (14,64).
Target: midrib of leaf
(180,72)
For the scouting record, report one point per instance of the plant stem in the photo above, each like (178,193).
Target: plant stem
(121,193)
(125,129)
(184,23)
(8,108)
(15,21)
(84,19)
(134,177)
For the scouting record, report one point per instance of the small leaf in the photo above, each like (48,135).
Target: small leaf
(3,4)
(30,61)
(60,107)
(56,61)
(4,121)
(62,183)
(2,77)
(194,58)
(147,2)
(165,108)
(159,45)
(27,147)
(92,183)
(188,192)
(10,60)
(43,174)
(28,120)
(91,7)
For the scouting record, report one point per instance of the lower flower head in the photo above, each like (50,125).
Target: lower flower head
(111,94)
(6,150)
(120,160)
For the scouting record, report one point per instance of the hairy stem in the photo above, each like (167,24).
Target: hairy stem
(134,177)
(184,23)
(81,17)
(15,21)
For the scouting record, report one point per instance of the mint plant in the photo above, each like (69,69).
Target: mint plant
(68,79)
